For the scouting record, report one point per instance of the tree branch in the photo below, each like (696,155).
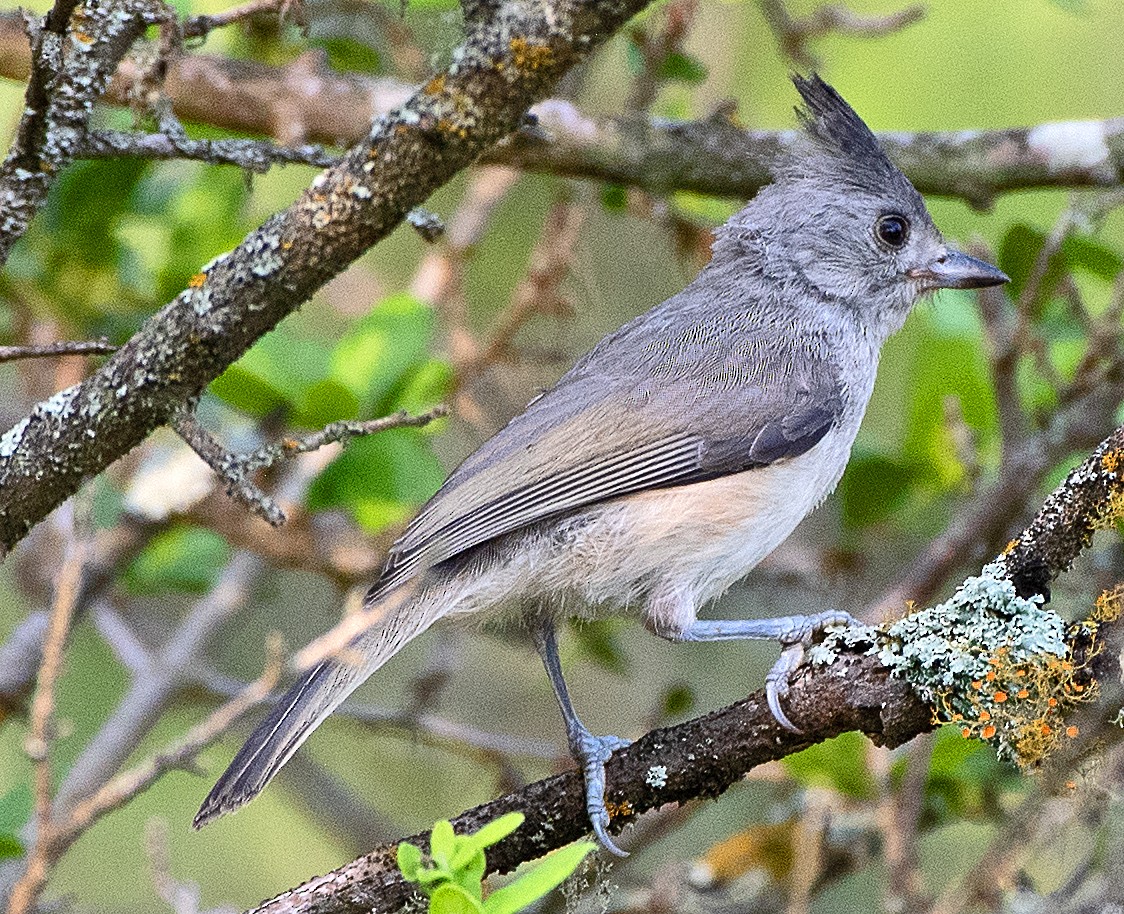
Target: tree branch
(502,68)
(306,101)
(703,757)
(73,54)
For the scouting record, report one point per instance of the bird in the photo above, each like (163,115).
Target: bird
(674,456)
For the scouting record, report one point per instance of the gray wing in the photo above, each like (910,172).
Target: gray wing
(685,406)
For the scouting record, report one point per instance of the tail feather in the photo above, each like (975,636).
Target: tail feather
(301,710)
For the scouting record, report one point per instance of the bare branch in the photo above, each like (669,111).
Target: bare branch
(253,155)
(304,101)
(236,469)
(793,34)
(74,52)
(26,890)
(121,789)
(201,26)
(501,69)
(83,347)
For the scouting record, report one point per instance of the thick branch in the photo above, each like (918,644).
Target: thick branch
(74,55)
(700,758)
(703,757)
(501,69)
(306,101)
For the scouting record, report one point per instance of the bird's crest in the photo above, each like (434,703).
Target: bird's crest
(838,134)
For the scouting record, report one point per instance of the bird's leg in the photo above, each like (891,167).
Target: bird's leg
(676,622)
(589,751)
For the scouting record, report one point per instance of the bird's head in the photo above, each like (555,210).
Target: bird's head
(841,217)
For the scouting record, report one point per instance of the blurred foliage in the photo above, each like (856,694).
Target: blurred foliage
(118,239)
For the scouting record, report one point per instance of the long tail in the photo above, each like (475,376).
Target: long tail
(309,701)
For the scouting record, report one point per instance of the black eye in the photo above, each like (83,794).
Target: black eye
(892,230)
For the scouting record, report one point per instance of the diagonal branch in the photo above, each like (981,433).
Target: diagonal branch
(74,53)
(703,757)
(502,68)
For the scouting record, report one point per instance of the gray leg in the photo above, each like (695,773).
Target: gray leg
(793,632)
(589,751)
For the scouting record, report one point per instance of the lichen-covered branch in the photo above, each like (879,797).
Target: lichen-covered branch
(853,690)
(502,67)
(74,51)
(304,101)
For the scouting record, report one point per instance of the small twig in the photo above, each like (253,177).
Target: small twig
(665,36)
(537,294)
(202,25)
(253,155)
(236,469)
(429,727)
(180,754)
(78,347)
(793,34)
(26,891)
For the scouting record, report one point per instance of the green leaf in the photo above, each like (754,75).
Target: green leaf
(324,402)
(1084,253)
(380,479)
(496,830)
(15,808)
(614,198)
(875,487)
(409,861)
(532,885)
(468,871)
(452,899)
(442,842)
(348,56)
(599,641)
(381,349)
(11,848)
(839,763)
(184,558)
(277,372)
(683,67)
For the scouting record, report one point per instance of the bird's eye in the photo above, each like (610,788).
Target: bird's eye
(892,230)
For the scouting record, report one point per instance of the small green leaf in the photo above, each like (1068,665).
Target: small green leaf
(442,841)
(11,848)
(532,885)
(683,67)
(495,831)
(409,861)
(380,479)
(468,871)
(839,763)
(378,353)
(324,402)
(15,809)
(183,558)
(452,899)
(275,373)
(614,198)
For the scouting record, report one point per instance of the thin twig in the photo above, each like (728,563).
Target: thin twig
(27,889)
(79,347)
(202,25)
(178,755)
(236,469)
(253,155)
(793,34)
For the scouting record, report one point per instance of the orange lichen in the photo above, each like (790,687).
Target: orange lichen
(197,280)
(528,55)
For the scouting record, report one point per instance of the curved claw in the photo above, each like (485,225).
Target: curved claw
(593,752)
(776,688)
(776,683)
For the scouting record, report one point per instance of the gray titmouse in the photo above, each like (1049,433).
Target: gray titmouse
(674,456)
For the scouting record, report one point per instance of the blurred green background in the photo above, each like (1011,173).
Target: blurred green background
(120,238)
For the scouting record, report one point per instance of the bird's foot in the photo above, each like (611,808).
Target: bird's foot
(803,630)
(591,753)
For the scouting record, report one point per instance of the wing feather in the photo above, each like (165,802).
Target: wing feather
(703,409)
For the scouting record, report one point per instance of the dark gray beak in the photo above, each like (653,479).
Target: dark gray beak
(955,270)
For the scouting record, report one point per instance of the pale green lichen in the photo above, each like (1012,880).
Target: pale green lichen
(987,659)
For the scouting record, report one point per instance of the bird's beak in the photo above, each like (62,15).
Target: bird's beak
(954,270)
